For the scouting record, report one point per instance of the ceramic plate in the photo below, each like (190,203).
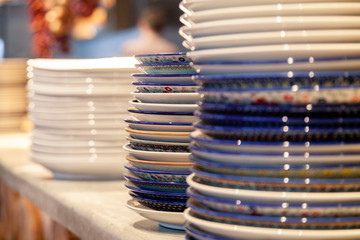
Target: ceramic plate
(272,196)
(277,158)
(200,5)
(156,116)
(277,37)
(166,219)
(164,78)
(78,124)
(158,156)
(286,9)
(159,135)
(163,107)
(261,24)
(278,52)
(174,98)
(241,67)
(160,126)
(166,68)
(75,150)
(165,87)
(163,58)
(160,166)
(234,231)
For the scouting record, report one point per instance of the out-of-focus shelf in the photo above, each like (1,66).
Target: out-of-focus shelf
(89,209)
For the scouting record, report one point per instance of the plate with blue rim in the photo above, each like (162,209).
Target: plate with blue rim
(177,57)
(164,78)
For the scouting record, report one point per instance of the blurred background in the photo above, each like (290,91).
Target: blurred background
(77,28)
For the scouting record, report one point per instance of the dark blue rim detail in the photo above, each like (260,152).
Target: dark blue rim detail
(162,64)
(155,200)
(161,75)
(160,54)
(163,84)
(154,192)
(154,182)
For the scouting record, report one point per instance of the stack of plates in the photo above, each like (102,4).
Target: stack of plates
(12,93)
(77,108)
(276,151)
(162,115)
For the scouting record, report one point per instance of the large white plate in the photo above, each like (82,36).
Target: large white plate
(245,232)
(160,166)
(235,146)
(333,65)
(272,196)
(76,90)
(199,5)
(114,124)
(81,170)
(275,9)
(177,98)
(278,52)
(163,107)
(159,135)
(262,24)
(159,126)
(73,116)
(75,149)
(158,156)
(276,37)
(121,79)
(165,219)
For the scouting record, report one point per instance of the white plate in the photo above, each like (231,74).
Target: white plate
(333,65)
(38,140)
(90,135)
(159,126)
(235,146)
(79,124)
(72,116)
(167,219)
(262,24)
(163,107)
(75,150)
(245,232)
(81,158)
(160,166)
(82,170)
(84,90)
(275,9)
(275,158)
(164,78)
(278,52)
(276,37)
(272,196)
(158,156)
(199,5)
(160,117)
(176,98)
(160,136)
(121,79)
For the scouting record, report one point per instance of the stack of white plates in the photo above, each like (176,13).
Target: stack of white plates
(12,93)
(276,150)
(77,108)
(162,115)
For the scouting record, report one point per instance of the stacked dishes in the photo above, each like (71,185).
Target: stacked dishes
(77,108)
(276,151)
(12,93)
(162,115)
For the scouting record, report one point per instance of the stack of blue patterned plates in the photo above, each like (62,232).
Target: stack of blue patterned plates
(276,150)
(162,116)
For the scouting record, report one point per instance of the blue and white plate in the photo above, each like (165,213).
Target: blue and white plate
(139,144)
(165,87)
(155,185)
(179,57)
(217,203)
(164,78)
(312,223)
(161,176)
(159,136)
(174,98)
(274,158)
(159,116)
(279,80)
(170,107)
(166,68)
(211,143)
(160,126)
(160,204)
(158,156)
(194,233)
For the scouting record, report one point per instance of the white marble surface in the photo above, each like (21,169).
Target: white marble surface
(90,209)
